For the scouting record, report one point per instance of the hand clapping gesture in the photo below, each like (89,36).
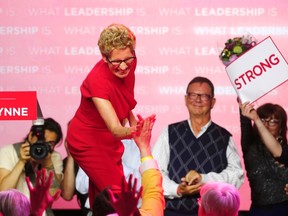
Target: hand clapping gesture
(126,204)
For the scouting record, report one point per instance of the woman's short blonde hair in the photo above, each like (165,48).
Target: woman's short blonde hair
(116,36)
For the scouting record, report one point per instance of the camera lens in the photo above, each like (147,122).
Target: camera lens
(39,150)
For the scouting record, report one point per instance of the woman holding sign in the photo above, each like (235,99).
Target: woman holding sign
(264,146)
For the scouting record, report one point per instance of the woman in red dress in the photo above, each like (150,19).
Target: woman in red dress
(107,100)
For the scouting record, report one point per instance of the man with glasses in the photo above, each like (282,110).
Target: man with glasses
(195,151)
(17,163)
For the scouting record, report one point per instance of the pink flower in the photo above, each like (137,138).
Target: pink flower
(236,47)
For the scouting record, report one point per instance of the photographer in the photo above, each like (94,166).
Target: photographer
(36,152)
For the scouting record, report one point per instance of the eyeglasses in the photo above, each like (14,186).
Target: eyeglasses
(51,144)
(270,122)
(193,96)
(117,63)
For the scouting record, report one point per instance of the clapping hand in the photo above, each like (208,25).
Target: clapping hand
(192,178)
(190,184)
(140,124)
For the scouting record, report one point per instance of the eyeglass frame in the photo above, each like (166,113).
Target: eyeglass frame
(271,122)
(119,62)
(51,143)
(206,98)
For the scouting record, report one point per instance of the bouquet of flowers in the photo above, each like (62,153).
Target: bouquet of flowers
(236,47)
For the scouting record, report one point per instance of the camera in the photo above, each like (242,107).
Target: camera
(40,149)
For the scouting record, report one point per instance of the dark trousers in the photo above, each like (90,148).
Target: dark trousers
(169,212)
(279,209)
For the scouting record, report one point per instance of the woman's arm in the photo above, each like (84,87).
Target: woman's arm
(10,177)
(132,120)
(111,120)
(68,183)
(246,131)
(268,139)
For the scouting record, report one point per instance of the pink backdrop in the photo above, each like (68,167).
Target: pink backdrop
(50,46)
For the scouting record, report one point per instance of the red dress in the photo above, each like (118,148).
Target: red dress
(91,144)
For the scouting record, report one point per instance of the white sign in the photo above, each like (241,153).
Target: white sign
(258,71)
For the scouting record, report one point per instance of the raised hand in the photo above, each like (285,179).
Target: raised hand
(248,110)
(40,197)
(143,135)
(127,202)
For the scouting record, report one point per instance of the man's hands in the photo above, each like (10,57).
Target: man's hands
(39,194)
(190,184)
(192,177)
(127,202)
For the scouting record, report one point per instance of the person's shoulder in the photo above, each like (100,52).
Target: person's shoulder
(177,123)
(9,147)
(92,74)
(221,128)
(8,154)
(96,69)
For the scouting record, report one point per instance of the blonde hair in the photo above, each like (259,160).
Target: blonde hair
(219,199)
(116,36)
(13,202)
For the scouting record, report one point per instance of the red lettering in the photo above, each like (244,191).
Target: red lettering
(273,62)
(238,84)
(242,78)
(256,71)
(249,74)
(265,65)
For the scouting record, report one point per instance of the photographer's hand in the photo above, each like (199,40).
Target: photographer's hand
(24,152)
